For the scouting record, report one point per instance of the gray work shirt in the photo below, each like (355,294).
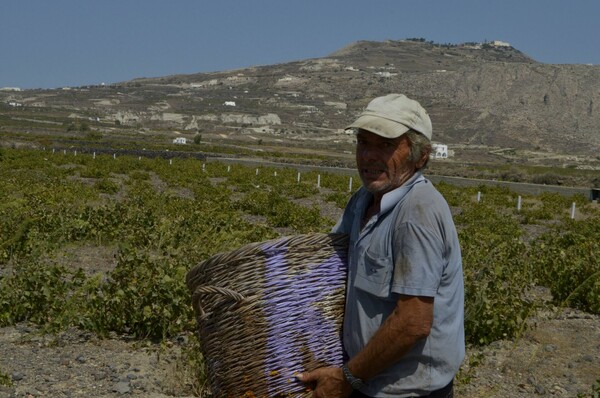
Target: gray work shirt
(411,248)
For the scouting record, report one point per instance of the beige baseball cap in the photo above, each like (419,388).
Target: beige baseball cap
(392,115)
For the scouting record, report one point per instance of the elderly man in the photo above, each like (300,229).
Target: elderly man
(403,325)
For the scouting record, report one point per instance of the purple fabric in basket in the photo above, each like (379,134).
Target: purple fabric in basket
(295,321)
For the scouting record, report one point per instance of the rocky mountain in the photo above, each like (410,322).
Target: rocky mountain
(486,95)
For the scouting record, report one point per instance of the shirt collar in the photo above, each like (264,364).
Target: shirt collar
(390,199)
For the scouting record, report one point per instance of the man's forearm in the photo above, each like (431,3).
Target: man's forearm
(409,323)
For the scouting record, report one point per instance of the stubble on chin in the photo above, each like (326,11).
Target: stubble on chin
(376,187)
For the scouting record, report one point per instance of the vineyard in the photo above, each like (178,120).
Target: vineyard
(156,218)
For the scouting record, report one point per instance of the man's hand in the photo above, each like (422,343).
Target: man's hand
(326,383)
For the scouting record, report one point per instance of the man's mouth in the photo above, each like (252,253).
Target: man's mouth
(372,172)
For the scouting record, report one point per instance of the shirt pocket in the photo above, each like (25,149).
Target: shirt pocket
(374,275)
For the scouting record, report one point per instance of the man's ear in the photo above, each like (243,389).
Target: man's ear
(423,159)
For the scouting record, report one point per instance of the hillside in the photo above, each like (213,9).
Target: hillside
(481,98)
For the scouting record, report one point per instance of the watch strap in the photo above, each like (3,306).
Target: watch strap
(355,382)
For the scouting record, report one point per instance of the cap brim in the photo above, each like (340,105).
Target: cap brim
(380,126)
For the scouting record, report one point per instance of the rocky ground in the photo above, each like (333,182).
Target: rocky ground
(78,364)
(559,356)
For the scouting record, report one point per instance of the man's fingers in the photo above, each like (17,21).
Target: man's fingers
(305,377)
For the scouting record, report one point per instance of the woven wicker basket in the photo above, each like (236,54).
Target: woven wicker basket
(270,310)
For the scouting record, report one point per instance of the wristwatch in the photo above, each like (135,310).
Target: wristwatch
(355,382)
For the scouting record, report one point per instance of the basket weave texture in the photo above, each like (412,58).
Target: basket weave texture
(270,310)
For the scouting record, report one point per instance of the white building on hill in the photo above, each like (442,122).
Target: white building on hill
(439,151)
(180,140)
(498,43)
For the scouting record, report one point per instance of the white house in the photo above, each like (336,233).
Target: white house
(498,43)
(439,151)
(229,103)
(180,140)
(385,74)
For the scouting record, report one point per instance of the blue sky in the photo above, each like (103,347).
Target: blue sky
(56,43)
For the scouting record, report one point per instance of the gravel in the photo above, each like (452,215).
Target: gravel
(79,364)
(558,356)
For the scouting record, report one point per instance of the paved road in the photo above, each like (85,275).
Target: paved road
(518,187)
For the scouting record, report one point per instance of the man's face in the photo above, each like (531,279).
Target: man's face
(383,163)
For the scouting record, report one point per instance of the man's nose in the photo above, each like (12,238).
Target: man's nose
(367,153)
